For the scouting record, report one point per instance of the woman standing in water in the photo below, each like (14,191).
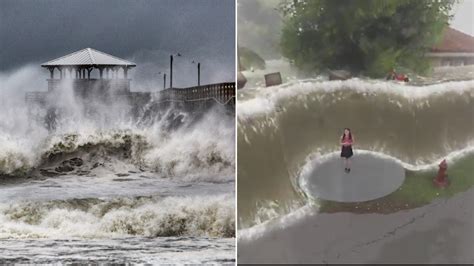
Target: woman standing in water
(346,151)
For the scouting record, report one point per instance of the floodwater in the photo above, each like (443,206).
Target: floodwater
(285,130)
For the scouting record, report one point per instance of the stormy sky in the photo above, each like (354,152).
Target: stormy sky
(143,31)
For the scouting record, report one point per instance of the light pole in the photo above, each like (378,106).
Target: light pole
(171,71)
(171,68)
(164,79)
(199,74)
(199,71)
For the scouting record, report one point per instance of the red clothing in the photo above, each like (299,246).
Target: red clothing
(347,140)
(400,77)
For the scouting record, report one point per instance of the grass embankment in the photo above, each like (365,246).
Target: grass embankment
(417,190)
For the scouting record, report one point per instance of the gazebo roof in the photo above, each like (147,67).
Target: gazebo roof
(88,57)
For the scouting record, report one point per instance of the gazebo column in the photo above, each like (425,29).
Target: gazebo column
(60,72)
(101,72)
(89,70)
(125,72)
(83,73)
(51,72)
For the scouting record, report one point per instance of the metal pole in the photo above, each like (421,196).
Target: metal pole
(171,71)
(164,81)
(199,74)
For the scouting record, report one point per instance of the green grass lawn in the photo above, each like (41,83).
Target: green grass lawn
(417,190)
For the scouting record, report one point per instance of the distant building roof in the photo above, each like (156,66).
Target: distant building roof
(454,41)
(88,57)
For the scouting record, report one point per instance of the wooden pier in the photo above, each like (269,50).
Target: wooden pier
(111,85)
(219,93)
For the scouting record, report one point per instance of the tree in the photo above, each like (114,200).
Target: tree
(363,36)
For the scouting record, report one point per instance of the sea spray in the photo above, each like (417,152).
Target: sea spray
(140,216)
(185,151)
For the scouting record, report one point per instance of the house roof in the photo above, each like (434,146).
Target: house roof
(454,41)
(88,57)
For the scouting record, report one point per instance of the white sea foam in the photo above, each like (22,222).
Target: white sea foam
(94,218)
(197,150)
(256,231)
(265,100)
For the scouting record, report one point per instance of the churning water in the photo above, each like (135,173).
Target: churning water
(285,130)
(106,187)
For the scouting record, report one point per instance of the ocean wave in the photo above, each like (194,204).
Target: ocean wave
(261,101)
(189,152)
(411,123)
(281,222)
(99,218)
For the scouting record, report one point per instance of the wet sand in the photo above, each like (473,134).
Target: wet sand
(441,232)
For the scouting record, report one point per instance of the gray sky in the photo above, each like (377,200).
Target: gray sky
(144,31)
(463,17)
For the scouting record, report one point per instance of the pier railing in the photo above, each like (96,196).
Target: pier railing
(222,93)
(36,97)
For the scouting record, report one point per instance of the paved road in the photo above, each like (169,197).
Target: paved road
(371,177)
(441,232)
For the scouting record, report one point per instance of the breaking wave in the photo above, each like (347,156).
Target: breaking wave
(113,132)
(141,216)
(195,150)
(282,128)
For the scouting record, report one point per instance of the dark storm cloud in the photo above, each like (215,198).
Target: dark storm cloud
(38,31)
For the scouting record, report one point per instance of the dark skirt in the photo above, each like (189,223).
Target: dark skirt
(346,151)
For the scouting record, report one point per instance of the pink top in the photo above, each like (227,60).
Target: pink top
(347,140)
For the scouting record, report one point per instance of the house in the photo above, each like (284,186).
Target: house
(455,49)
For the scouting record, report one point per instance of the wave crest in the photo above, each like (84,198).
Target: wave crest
(143,216)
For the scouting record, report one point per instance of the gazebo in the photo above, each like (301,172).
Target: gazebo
(79,66)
